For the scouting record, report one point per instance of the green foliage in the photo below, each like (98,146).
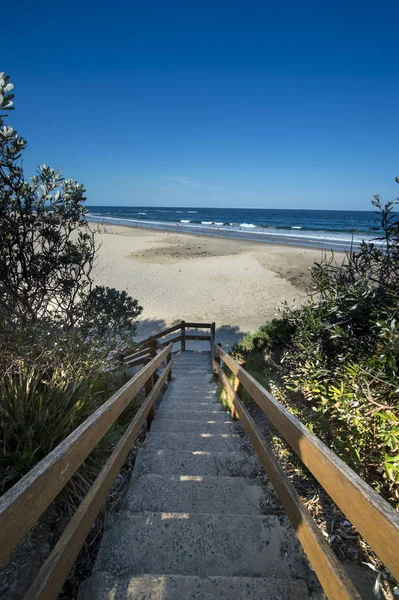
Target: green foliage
(337,356)
(47,250)
(41,402)
(56,327)
(112,314)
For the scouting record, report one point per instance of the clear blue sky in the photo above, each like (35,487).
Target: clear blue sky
(232,104)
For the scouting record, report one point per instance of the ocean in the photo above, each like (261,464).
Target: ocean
(329,229)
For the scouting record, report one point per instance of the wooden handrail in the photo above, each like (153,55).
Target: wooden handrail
(372,516)
(140,352)
(332,576)
(199,325)
(25,502)
(148,341)
(53,573)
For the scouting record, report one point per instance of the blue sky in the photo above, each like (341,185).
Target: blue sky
(230,104)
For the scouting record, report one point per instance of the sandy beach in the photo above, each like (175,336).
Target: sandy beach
(238,284)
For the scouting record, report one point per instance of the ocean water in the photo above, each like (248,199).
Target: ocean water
(329,229)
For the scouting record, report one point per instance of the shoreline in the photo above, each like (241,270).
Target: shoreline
(244,236)
(177,276)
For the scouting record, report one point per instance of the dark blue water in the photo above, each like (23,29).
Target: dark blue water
(319,228)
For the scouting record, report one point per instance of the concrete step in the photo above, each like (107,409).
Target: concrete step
(104,586)
(192,396)
(201,545)
(199,426)
(191,404)
(191,442)
(194,494)
(193,385)
(186,414)
(192,390)
(205,407)
(187,368)
(170,462)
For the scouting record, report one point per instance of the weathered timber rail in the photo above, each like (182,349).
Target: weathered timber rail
(22,505)
(144,350)
(25,502)
(372,516)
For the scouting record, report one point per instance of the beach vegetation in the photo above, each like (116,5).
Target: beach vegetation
(334,360)
(47,250)
(56,326)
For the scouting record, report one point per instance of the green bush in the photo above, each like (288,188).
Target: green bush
(337,356)
(41,402)
(56,326)
(47,250)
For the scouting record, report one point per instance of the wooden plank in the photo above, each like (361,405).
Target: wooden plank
(199,325)
(138,361)
(166,331)
(238,388)
(372,516)
(205,338)
(173,340)
(23,504)
(136,348)
(142,352)
(148,341)
(169,360)
(55,570)
(328,569)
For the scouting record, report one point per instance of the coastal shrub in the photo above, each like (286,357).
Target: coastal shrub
(47,249)
(56,326)
(42,404)
(336,357)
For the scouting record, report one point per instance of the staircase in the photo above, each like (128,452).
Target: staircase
(191,525)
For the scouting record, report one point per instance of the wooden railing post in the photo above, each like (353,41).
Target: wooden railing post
(183,336)
(213,335)
(169,358)
(153,354)
(239,390)
(149,384)
(217,357)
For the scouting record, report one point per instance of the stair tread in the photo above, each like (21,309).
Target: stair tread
(200,544)
(104,586)
(172,462)
(192,426)
(194,494)
(216,442)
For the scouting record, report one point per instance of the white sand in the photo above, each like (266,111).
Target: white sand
(237,284)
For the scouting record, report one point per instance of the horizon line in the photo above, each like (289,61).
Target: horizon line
(227,208)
